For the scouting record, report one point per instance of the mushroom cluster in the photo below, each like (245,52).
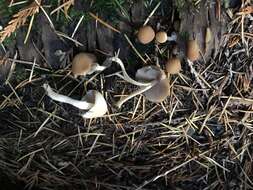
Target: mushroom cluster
(152,81)
(146,34)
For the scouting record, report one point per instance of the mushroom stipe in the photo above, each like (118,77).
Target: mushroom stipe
(152,81)
(93,102)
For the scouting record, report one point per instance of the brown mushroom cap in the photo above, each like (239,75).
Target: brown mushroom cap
(173,65)
(146,34)
(159,92)
(192,51)
(82,63)
(161,37)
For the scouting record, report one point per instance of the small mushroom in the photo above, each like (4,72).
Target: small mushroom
(208,35)
(152,82)
(146,34)
(161,86)
(159,92)
(93,102)
(161,37)
(173,65)
(85,63)
(192,50)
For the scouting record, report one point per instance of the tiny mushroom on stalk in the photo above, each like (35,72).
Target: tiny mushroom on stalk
(85,63)
(146,34)
(192,50)
(93,102)
(173,65)
(152,82)
(161,37)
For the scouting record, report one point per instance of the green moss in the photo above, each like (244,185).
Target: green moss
(5,11)
(111,8)
(181,4)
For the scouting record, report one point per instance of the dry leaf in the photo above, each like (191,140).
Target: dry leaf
(3,60)
(246,10)
(233,41)
(67,4)
(19,19)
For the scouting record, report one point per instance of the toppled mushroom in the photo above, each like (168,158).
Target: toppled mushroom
(173,65)
(161,37)
(146,34)
(192,50)
(152,81)
(85,63)
(93,102)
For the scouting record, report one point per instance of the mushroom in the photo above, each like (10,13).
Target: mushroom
(161,37)
(161,86)
(85,63)
(173,65)
(152,82)
(159,92)
(208,35)
(93,102)
(146,34)
(192,50)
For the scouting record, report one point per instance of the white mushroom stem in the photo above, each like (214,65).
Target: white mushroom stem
(100,68)
(126,76)
(81,104)
(96,67)
(133,94)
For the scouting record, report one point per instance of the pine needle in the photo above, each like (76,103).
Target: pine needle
(66,5)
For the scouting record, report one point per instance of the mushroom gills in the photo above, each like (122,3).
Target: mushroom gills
(159,92)
(99,104)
